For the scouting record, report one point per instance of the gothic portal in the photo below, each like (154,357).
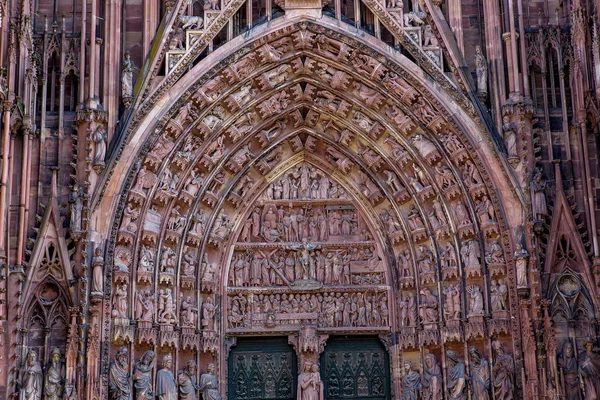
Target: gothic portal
(347,199)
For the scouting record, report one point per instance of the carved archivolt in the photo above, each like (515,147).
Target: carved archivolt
(309,182)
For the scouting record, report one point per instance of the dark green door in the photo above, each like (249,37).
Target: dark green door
(355,367)
(262,368)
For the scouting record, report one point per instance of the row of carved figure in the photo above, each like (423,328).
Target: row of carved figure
(139,385)
(280,267)
(166,313)
(482,382)
(328,309)
(294,224)
(429,304)
(36,385)
(304,183)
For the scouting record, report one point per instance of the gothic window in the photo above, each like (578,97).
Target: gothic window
(47,320)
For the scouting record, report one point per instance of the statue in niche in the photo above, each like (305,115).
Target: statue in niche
(166,307)
(457,382)
(310,386)
(189,312)
(510,137)
(127,77)
(145,180)
(411,382)
(444,176)
(120,301)
(98,271)
(480,375)
(425,261)
(421,143)
(193,185)
(130,214)
(187,381)
(392,181)
(411,306)
(168,261)
(476,300)
(462,214)
(494,255)
(429,39)
(439,212)
(119,387)
(165,381)
(498,295)
(452,303)
(428,309)
(485,211)
(188,266)
(471,253)
(76,205)
(521,258)
(146,263)
(209,387)
(176,220)
(405,265)
(142,376)
(481,70)
(414,218)
(144,306)
(432,381)
(448,257)
(570,372)
(208,314)
(503,373)
(589,370)
(304,257)
(208,269)
(538,186)
(100,137)
(471,175)
(54,379)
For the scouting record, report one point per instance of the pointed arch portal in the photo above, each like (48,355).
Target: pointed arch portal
(305,181)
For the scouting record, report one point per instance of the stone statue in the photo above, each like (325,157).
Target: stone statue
(120,301)
(166,307)
(432,378)
(142,376)
(76,205)
(33,378)
(503,373)
(208,314)
(589,370)
(456,377)
(570,372)
(127,76)
(119,387)
(538,186)
(54,379)
(187,381)
(144,309)
(165,380)
(209,387)
(188,312)
(476,301)
(510,137)
(452,303)
(98,271)
(481,71)
(411,382)
(100,137)
(521,258)
(310,386)
(480,375)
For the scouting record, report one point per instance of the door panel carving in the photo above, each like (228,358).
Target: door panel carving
(264,368)
(355,368)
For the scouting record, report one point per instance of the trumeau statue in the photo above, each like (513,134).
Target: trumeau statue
(119,387)
(54,379)
(310,386)
(480,375)
(165,380)
(33,378)
(208,386)
(457,382)
(142,376)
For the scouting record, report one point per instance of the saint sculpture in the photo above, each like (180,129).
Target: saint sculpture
(54,379)
(187,381)
(165,380)
(33,378)
(456,377)
(310,386)
(119,387)
(480,375)
(589,370)
(142,376)
(209,387)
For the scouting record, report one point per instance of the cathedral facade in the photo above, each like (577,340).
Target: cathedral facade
(299,199)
